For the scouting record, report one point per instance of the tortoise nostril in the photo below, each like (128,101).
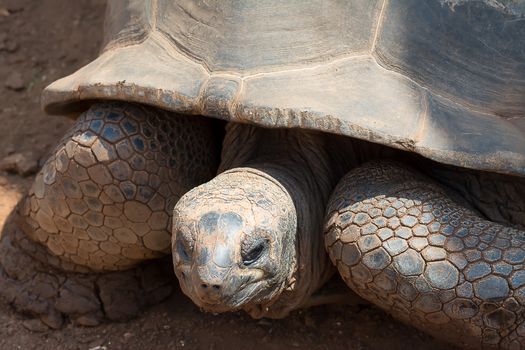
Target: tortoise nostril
(214,286)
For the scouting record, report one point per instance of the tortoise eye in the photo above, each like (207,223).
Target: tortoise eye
(184,248)
(181,249)
(254,253)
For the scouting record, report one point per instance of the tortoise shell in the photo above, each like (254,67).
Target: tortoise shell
(442,78)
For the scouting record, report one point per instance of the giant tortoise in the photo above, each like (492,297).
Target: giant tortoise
(383,139)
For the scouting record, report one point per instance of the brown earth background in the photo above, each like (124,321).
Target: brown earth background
(43,40)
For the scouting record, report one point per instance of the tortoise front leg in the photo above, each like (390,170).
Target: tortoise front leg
(402,243)
(103,202)
(104,198)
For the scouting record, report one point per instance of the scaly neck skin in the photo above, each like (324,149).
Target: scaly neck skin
(498,197)
(299,162)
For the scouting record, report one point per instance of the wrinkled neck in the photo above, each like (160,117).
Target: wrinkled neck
(299,162)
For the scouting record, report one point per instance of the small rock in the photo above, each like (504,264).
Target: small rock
(88,321)
(15,82)
(264,322)
(4,12)
(97,345)
(35,325)
(53,319)
(14,8)
(20,163)
(128,336)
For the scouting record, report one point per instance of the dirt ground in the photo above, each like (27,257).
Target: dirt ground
(41,41)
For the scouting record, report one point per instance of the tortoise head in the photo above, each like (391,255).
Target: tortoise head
(234,242)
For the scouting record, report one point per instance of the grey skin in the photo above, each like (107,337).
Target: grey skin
(252,238)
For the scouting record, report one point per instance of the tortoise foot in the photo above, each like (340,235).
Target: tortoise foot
(35,287)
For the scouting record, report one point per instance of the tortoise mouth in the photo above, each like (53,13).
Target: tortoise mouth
(245,296)
(239,288)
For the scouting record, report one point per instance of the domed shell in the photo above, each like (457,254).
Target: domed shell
(442,78)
